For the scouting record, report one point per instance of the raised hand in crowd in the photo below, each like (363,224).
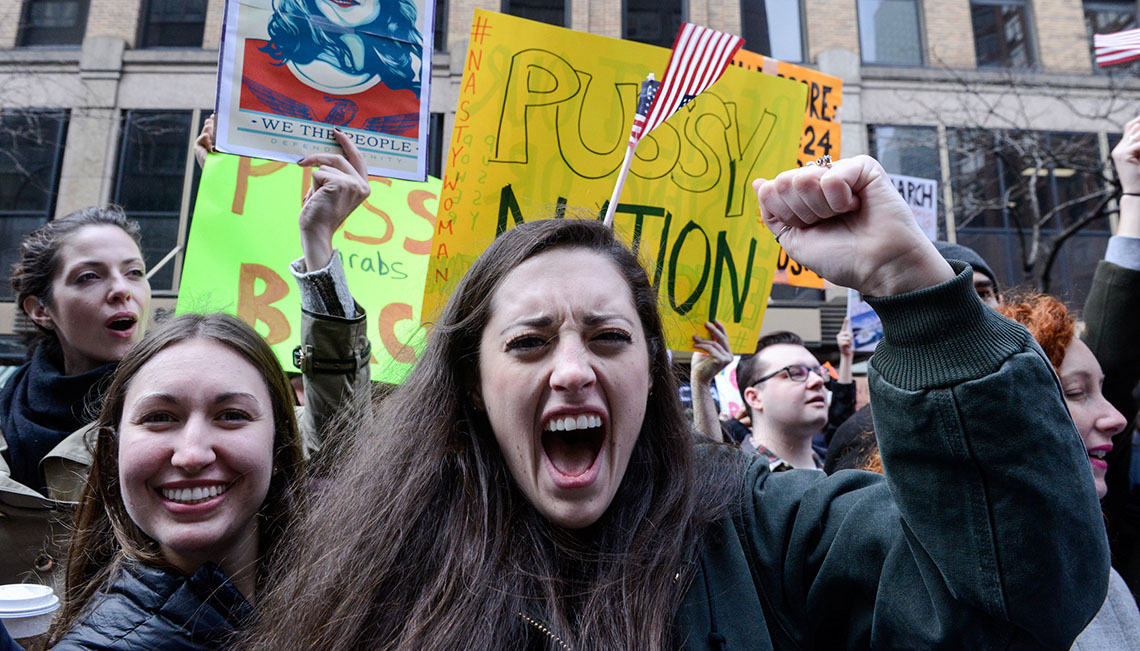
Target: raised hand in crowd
(711,357)
(204,143)
(340,184)
(1126,156)
(845,340)
(849,225)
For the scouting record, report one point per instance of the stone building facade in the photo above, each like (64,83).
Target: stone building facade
(100,101)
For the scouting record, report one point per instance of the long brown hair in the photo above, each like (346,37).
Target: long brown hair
(105,536)
(423,540)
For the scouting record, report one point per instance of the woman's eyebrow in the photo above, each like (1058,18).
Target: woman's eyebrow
(598,319)
(531,322)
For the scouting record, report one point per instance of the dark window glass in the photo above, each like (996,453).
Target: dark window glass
(995,175)
(174,23)
(1106,17)
(552,12)
(889,32)
(910,151)
(435,145)
(439,36)
(53,22)
(653,21)
(1001,33)
(151,173)
(31,150)
(773,28)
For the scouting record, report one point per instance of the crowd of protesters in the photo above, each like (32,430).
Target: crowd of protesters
(535,483)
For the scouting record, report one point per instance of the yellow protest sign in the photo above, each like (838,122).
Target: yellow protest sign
(245,234)
(821,136)
(542,122)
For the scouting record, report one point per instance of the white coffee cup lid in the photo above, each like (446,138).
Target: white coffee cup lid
(26,600)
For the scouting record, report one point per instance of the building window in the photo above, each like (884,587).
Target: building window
(1106,17)
(1001,33)
(653,21)
(993,176)
(52,22)
(435,145)
(173,23)
(910,151)
(889,32)
(31,150)
(551,12)
(156,183)
(773,28)
(439,29)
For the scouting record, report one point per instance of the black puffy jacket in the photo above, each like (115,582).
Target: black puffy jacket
(151,608)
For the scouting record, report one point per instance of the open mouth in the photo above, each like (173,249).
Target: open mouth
(122,324)
(344,3)
(572,443)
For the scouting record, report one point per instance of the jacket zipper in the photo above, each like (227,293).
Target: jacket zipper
(540,626)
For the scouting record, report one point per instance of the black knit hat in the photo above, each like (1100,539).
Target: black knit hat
(951,251)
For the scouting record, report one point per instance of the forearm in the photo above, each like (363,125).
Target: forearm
(1129,223)
(335,351)
(972,469)
(706,421)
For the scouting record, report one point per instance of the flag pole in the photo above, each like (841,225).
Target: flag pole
(609,222)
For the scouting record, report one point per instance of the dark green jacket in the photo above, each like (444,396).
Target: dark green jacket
(985,532)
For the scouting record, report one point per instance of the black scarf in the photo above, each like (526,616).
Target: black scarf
(39,407)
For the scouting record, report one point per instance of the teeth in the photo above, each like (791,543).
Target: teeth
(1099,454)
(194,495)
(571,423)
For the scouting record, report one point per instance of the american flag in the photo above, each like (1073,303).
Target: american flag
(700,56)
(1117,47)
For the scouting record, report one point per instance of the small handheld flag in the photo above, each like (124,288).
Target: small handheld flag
(700,56)
(1118,47)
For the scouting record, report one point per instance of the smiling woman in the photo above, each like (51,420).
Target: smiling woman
(194,478)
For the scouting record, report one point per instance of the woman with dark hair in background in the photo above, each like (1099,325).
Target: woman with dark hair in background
(82,281)
(534,485)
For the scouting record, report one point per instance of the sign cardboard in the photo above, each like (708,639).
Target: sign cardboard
(245,234)
(821,136)
(290,71)
(922,197)
(542,124)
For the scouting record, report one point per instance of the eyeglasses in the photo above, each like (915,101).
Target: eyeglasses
(796,373)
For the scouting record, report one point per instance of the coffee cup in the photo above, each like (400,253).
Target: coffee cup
(26,609)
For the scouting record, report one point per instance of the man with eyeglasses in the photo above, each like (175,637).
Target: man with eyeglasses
(783,385)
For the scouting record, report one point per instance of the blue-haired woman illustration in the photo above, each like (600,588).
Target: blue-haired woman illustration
(326,60)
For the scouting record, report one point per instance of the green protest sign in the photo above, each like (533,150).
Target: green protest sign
(245,234)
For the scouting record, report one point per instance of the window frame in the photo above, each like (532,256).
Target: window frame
(1088,7)
(625,22)
(802,25)
(25,17)
(1030,35)
(920,34)
(145,23)
(505,7)
(55,166)
(191,174)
